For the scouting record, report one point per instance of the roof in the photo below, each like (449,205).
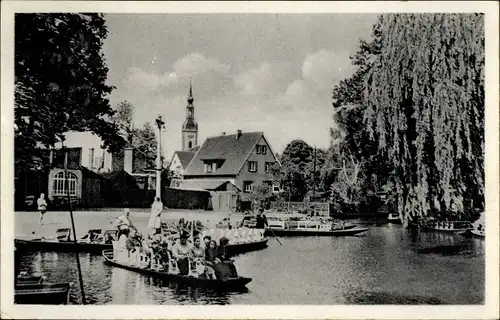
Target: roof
(185,157)
(233,151)
(201,184)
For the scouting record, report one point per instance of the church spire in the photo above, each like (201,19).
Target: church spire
(190,96)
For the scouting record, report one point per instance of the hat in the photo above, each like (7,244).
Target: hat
(184,234)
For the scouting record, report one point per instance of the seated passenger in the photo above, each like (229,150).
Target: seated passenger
(211,259)
(222,255)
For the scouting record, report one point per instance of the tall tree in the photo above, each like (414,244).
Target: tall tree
(425,111)
(292,174)
(123,118)
(61,85)
(145,146)
(354,167)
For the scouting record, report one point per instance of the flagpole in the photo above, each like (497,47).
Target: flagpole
(73,225)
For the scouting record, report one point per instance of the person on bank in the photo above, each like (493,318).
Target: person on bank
(261,220)
(154,224)
(42,206)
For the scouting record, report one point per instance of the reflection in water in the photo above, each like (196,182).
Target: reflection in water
(387,265)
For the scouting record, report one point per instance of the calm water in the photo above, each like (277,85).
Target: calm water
(386,265)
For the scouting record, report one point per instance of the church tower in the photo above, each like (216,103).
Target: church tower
(189,127)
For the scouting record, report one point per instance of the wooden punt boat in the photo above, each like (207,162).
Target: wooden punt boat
(64,244)
(228,285)
(239,248)
(450,226)
(314,232)
(297,226)
(41,293)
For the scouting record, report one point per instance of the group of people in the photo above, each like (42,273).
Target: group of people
(209,256)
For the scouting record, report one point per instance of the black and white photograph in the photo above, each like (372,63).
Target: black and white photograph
(180,154)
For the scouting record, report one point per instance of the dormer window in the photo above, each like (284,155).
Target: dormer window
(210,167)
(261,149)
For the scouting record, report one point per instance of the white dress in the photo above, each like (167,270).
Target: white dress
(155,217)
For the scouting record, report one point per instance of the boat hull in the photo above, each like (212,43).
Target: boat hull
(97,248)
(63,246)
(232,284)
(53,294)
(239,248)
(302,233)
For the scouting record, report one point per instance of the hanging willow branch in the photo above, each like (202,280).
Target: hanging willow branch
(425,108)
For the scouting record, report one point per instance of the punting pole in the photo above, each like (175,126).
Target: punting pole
(73,226)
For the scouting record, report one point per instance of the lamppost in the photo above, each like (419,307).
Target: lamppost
(161,126)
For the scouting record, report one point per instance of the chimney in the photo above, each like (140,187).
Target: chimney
(128,156)
(238,134)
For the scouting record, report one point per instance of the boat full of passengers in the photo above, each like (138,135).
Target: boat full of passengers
(160,258)
(300,225)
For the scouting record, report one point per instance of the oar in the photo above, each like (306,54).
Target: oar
(275,237)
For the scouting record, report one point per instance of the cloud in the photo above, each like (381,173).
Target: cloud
(326,68)
(321,71)
(255,81)
(193,65)
(265,80)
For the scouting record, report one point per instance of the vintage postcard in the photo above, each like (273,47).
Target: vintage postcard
(250,160)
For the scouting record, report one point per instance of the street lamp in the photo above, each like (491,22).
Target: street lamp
(161,125)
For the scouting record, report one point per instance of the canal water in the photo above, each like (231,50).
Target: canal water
(386,265)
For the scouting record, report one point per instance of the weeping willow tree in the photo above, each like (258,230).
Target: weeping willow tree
(425,110)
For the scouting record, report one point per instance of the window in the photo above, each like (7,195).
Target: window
(190,144)
(247,186)
(276,189)
(252,166)
(60,182)
(268,166)
(261,149)
(210,167)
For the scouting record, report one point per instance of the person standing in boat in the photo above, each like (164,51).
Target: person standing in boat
(154,224)
(181,252)
(123,223)
(261,220)
(42,206)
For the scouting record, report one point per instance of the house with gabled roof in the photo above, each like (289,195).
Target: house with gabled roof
(180,161)
(243,158)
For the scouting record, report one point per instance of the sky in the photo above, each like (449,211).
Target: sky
(254,72)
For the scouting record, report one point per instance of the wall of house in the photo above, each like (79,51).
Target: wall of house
(176,166)
(260,175)
(88,141)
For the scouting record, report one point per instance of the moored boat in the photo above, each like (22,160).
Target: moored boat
(228,285)
(35,290)
(92,242)
(450,226)
(97,245)
(297,226)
